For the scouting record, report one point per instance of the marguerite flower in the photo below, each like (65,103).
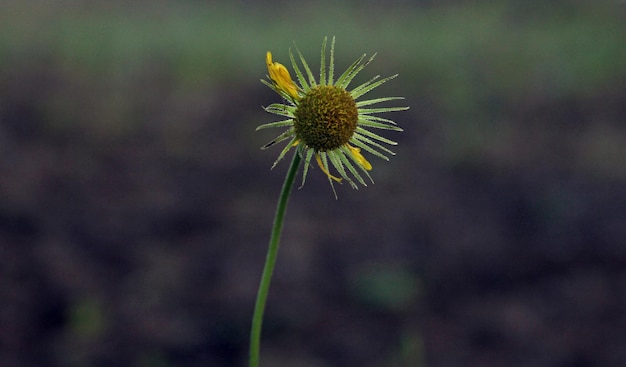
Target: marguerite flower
(324,119)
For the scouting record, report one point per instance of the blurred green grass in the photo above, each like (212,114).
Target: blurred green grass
(579,47)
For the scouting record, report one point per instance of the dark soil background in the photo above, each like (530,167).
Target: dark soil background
(136,205)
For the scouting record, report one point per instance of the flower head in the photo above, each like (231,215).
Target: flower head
(324,119)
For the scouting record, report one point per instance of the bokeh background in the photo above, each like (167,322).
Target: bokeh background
(136,205)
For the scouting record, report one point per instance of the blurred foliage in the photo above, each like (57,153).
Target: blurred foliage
(87,319)
(386,287)
(510,45)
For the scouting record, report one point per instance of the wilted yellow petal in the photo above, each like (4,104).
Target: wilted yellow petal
(356,153)
(280,75)
(325,170)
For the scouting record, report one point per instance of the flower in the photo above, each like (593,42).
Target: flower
(324,119)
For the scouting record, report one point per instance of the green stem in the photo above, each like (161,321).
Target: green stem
(270,261)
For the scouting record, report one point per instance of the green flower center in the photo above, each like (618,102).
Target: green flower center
(326,118)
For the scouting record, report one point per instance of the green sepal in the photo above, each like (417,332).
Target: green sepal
(336,161)
(284,136)
(312,82)
(355,71)
(362,131)
(284,151)
(342,77)
(369,85)
(377,100)
(307,161)
(378,125)
(346,152)
(360,144)
(282,123)
(367,111)
(323,63)
(369,141)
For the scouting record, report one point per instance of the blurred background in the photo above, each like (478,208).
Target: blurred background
(136,205)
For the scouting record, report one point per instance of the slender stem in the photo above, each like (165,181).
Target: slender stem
(270,261)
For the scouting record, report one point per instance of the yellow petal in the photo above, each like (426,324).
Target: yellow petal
(356,153)
(280,75)
(268,60)
(319,162)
